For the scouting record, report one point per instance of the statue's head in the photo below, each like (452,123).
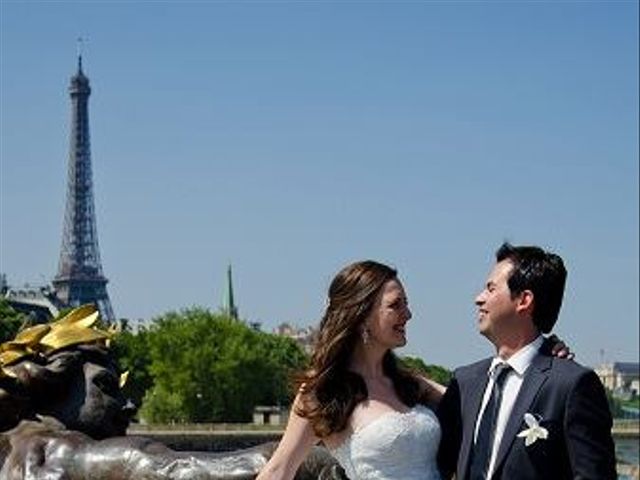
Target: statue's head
(64,370)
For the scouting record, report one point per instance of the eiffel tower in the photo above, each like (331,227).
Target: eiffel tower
(80,279)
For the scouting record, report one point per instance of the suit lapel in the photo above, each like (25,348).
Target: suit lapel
(534,378)
(476,388)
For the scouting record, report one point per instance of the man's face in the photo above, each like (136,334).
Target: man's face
(496,307)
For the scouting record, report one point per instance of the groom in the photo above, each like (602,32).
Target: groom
(524,414)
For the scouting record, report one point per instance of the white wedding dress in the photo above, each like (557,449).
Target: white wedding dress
(394,446)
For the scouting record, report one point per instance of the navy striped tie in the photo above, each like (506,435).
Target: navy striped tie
(486,431)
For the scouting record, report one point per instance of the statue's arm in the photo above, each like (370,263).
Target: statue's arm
(35,451)
(139,457)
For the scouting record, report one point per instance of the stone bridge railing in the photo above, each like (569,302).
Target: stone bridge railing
(626,428)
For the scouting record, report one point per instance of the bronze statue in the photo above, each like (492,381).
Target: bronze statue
(63,416)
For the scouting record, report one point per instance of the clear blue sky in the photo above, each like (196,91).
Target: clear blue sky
(290,138)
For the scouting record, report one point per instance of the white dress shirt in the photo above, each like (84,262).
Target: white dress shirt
(519,363)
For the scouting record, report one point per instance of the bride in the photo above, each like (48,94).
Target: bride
(375,417)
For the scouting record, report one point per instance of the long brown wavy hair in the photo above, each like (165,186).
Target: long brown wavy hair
(330,391)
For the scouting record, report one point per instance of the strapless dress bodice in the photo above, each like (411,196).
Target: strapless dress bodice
(394,446)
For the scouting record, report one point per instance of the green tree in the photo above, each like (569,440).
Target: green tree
(132,351)
(433,372)
(207,367)
(10,321)
(283,357)
(163,406)
(620,406)
(615,405)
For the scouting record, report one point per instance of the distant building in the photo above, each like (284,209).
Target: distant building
(270,415)
(39,303)
(256,326)
(305,337)
(622,378)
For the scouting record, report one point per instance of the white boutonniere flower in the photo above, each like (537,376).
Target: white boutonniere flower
(534,432)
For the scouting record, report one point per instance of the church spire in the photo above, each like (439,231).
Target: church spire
(228,303)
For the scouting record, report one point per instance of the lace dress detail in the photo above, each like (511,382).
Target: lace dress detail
(395,446)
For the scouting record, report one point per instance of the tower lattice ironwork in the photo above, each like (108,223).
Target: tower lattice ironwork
(80,279)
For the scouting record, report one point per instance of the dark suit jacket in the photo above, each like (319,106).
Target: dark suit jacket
(571,404)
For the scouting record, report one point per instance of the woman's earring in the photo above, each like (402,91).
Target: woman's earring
(365,335)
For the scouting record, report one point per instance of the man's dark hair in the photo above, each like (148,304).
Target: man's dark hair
(541,272)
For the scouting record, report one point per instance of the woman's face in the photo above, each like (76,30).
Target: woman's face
(388,319)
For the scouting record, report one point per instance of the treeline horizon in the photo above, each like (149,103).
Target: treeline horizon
(200,366)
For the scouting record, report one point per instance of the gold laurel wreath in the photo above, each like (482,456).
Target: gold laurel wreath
(79,326)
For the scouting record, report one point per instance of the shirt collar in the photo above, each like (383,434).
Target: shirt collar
(520,360)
